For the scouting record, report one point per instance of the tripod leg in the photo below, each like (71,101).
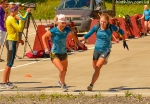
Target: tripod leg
(2,50)
(3,46)
(35,26)
(26,42)
(25,46)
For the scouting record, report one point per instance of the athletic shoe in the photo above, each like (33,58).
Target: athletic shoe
(59,83)
(148,34)
(69,52)
(90,87)
(137,37)
(64,88)
(6,86)
(10,84)
(1,60)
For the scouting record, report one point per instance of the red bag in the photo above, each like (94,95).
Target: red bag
(70,43)
(35,54)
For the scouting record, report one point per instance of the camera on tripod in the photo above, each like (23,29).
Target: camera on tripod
(25,5)
(29,5)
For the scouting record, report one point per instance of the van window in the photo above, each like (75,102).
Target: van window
(97,1)
(101,4)
(75,4)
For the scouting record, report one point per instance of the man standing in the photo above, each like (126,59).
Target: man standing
(3,5)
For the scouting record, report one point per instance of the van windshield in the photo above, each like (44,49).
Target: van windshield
(75,4)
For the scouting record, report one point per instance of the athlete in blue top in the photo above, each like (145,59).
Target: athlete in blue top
(58,51)
(102,45)
(59,40)
(103,40)
(146,16)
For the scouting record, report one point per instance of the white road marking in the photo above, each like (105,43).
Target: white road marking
(91,48)
(27,64)
(32,62)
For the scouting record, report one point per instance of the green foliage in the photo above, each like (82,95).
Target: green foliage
(11,98)
(128,94)
(45,8)
(55,96)
(31,96)
(129,9)
(1,97)
(139,96)
(32,1)
(43,96)
(99,95)
(81,93)
(58,97)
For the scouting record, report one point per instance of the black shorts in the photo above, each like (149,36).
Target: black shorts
(146,20)
(61,57)
(97,55)
(11,52)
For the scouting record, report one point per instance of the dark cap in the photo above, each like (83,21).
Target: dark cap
(14,8)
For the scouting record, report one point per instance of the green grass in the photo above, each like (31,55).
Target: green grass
(46,10)
(43,98)
(129,9)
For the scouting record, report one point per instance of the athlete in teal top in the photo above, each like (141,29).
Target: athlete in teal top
(146,14)
(103,37)
(102,45)
(59,40)
(58,52)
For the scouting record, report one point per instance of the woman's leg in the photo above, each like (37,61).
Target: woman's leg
(62,67)
(65,65)
(6,74)
(12,58)
(146,27)
(97,64)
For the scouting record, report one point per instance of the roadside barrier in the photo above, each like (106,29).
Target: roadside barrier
(131,25)
(38,45)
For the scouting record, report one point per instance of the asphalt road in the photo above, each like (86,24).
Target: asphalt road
(126,70)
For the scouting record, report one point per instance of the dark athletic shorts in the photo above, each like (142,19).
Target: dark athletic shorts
(97,55)
(11,52)
(146,20)
(61,57)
